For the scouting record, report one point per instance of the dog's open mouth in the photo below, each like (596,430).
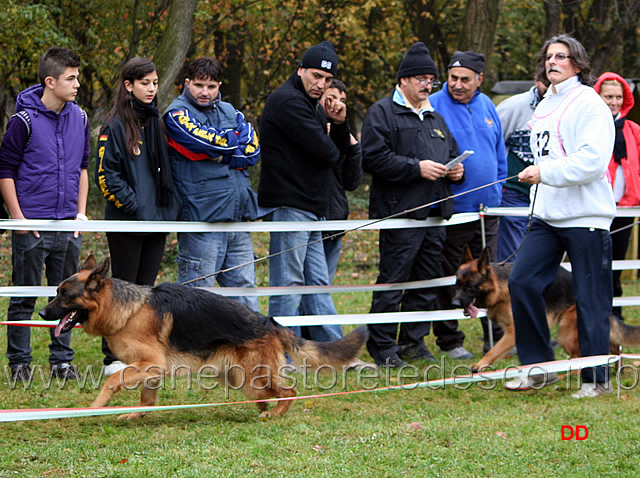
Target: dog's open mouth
(471,311)
(68,322)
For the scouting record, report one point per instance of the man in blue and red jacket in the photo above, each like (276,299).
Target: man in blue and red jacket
(211,149)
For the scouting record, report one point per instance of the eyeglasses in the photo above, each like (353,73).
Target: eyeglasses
(559,56)
(427,82)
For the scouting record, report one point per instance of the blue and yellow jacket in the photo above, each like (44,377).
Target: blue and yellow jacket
(211,148)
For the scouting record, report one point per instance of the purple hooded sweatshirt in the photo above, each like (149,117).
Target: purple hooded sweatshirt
(43,152)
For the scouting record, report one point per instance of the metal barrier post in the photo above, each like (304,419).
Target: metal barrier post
(483,234)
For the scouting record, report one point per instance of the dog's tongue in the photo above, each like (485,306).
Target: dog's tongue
(471,310)
(61,324)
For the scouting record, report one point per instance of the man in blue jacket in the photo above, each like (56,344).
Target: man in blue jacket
(43,175)
(474,122)
(211,149)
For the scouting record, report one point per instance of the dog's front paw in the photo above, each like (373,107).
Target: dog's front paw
(266,415)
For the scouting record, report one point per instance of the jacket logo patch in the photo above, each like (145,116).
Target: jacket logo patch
(104,137)
(489,122)
(439,133)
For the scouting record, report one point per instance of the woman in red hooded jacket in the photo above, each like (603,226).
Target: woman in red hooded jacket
(624,167)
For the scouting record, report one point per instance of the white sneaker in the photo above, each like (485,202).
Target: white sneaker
(592,390)
(114,367)
(459,353)
(531,382)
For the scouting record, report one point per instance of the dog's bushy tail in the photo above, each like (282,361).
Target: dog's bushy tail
(622,334)
(316,354)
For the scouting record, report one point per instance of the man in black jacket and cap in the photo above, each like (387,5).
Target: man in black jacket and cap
(298,154)
(405,146)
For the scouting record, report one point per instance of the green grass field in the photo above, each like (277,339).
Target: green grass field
(468,430)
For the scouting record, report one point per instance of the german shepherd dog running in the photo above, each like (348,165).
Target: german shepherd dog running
(482,284)
(172,328)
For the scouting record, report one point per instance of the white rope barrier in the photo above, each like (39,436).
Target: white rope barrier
(16,415)
(257,226)
(45,291)
(524,211)
(341,319)
(281,226)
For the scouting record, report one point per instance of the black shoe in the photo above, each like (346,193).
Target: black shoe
(65,370)
(21,373)
(393,362)
(416,353)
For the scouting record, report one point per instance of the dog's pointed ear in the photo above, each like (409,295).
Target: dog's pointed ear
(98,276)
(89,264)
(484,261)
(104,267)
(466,254)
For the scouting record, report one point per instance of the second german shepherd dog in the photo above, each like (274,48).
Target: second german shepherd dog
(480,283)
(173,328)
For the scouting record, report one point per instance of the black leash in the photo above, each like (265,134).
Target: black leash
(526,234)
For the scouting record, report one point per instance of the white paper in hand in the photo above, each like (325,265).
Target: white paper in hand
(459,159)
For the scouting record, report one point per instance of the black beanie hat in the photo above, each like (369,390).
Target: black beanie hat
(322,56)
(468,59)
(417,61)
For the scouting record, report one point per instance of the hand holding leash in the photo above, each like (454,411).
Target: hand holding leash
(530,174)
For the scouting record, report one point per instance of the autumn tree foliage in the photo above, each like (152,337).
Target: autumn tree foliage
(260,41)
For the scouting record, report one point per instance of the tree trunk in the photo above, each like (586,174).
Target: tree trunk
(481,20)
(424,16)
(173,47)
(570,9)
(233,74)
(552,10)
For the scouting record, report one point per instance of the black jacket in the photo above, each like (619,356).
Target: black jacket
(347,175)
(127,184)
(297,154)
(394,141)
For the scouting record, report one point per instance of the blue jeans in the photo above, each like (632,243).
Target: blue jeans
(332,248)
(203,253)
(306,265)
(590,253)
(57,253)
(511,229)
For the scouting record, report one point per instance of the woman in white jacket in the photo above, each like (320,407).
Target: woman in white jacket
(572,135)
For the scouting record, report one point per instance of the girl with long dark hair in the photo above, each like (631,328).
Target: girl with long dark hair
(134,175)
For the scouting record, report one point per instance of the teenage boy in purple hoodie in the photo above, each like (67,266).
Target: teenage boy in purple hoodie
(43,175)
